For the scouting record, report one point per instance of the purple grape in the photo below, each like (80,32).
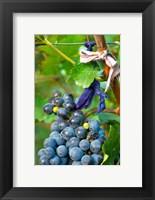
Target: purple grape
(75,153)
(84,145)
(74,142)
(95,146)
(62,151)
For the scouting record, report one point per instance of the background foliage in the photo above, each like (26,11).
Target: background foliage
(51,73)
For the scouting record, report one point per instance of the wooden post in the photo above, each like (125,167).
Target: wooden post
(101,45)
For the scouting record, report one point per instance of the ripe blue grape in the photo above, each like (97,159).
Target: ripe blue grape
(43,160)
(48,108)
(55,161)
(76,163)
(56,93)
(55,126)
(49,152)
(64,160)
(86,160)
(62,113)
(74,142)
(94,125)
(62,151)
(96,159)
(78,113)
(68,97)
(76,153)
(69,106)
(80,132)
(67,133)
(84,145)
(63,124)
(41,152)
(95,146)
(58,101)
(74,121)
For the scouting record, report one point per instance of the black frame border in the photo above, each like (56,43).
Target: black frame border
(7,8)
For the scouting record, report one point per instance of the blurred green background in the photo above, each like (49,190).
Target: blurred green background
(51,73)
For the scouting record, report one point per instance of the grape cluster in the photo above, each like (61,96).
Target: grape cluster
(73,140)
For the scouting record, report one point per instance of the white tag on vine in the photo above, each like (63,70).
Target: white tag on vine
(88,56)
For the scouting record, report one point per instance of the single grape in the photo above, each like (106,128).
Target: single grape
(64,160)
(50,142)
(62,151)
(67,133)
(43,160)
(49,152)
(48,108)
(74,142)
(94,125)
(63,124)
(56,93)
(76,163)
(55,161)
(55,109)
(55,126)
(41,152)
(80,132)
(74,121)
(68,97)
(69,106)
(95,146)
(62,113)
(75,153)
(86,160)
(84,145)
(58,101)
(78,113)
(86,125)
(96,159)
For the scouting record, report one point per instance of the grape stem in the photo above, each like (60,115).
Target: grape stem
(46,42)
(59,52)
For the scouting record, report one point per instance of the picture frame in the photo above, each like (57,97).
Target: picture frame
(7,7)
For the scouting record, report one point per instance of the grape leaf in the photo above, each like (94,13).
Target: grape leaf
(83,74)
(111,146)
(39,103)
(109,118)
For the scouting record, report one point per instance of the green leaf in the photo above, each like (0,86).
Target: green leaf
(111,147)
(83,74)
(39,103)
(109,118)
